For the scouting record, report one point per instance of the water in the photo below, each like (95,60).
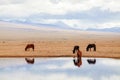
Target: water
(59,69)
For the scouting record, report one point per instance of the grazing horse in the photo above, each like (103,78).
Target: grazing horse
(29,46)
(77,62)
(75,48)
(91,61)
(91,46)
(29,60)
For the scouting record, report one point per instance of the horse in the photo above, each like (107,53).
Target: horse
(30,61)
(77,62)
(75,48)
(29,46)
(91,46)
(91,61)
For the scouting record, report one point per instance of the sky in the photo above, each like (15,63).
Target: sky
(78,14)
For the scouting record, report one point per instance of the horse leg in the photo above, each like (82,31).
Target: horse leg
(94,48)
(33,48)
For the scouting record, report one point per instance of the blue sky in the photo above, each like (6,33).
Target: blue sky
(80,14)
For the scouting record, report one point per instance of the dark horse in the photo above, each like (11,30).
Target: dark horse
(91,46)
(29,46)
(29,61)
(91,61)
(75,48)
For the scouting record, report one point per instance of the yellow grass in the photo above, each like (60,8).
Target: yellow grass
(56,48)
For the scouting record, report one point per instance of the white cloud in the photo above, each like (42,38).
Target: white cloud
(25,8)
(112,5)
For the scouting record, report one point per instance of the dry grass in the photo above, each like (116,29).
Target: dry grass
(59,48)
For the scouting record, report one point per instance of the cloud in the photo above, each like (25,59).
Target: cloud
(79,14)
(25,8)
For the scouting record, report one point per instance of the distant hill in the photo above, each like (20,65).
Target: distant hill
(113,29)
(18,31)
(57,25)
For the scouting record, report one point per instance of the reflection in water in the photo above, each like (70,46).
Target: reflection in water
(30,60)
(62,68)
(91,61)
(77,62)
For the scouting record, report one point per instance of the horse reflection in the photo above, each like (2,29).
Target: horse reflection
(91,61)
(77,62)
(30,60)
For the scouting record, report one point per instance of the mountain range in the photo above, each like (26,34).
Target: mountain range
(61,25)
(113,29)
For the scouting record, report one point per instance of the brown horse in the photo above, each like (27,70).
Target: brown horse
(30,61)
(77,62)
(29,46)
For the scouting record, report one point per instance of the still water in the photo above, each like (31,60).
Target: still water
(59,69)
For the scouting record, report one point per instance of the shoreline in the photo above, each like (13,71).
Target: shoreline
(46,55)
